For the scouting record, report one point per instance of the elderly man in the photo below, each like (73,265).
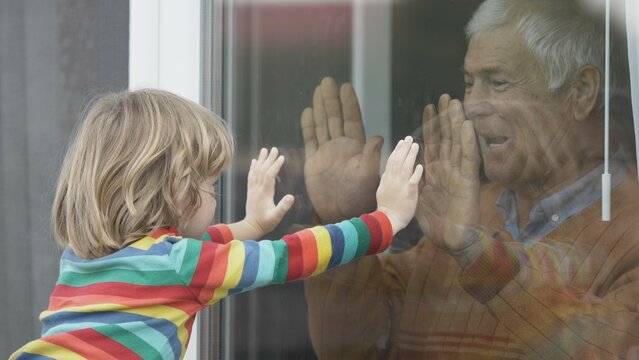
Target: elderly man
(518,267)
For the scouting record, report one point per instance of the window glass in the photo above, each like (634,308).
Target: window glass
(508,256)
(54,56)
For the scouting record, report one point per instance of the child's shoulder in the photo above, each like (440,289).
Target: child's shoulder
(158,243)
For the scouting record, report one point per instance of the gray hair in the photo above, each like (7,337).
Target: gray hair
(558,33)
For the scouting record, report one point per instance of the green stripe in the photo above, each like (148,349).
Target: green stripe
(280,273)
(363,235)
(190,259)
(350,241)
(151,336)
(265,266)
(139,263)
(206,236)
(130,340)
(118,275)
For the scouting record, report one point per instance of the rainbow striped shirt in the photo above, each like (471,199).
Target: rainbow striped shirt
(140,302)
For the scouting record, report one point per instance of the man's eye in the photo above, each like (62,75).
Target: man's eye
(499,84)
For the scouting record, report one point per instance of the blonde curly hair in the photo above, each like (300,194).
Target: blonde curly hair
(137,163)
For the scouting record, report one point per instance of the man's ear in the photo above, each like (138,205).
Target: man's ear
(584,92)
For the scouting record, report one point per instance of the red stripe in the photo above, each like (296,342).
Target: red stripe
(164,231)
(93,338)
(189,327)
(203,267)
(227,235)
(295,257)
(171,292)
(309,249)
(387,229)
(103,344)
(376,233)
(215,234)
(217,273)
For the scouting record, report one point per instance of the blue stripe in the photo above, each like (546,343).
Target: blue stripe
(337,243)
(155,249)
(163,326)
(251,264)
(267,264)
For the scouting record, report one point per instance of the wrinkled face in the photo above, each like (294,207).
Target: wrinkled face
(196,226)
(520,124)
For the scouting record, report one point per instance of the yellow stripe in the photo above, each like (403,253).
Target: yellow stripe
(45,348)
(146,242)
(168,313)
(86,309)
(324,248)
(234,268)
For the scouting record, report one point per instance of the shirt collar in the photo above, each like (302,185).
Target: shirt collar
(555,209)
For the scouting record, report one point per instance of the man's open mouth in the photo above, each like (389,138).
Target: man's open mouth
(494,142)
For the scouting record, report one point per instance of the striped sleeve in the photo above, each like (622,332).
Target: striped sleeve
(214,270)
(219,233)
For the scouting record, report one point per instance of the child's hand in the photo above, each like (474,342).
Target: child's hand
(262,215)
(398,189)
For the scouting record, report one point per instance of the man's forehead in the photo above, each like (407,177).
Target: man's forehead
(497,51)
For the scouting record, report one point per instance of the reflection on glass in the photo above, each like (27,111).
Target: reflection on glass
(508,257)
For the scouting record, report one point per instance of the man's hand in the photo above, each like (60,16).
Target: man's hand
(342,169)
(450,199)
(262,215)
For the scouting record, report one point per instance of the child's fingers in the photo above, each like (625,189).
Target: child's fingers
(285,204)
(267,159)
(272,156)
(409,161)
(272,171)
(396,159)
(251,172)
(417,175)
(261,158)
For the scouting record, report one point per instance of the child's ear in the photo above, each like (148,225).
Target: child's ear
(584,92)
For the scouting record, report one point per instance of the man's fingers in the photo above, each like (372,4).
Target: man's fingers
(432,134)
(372,150)
(320,118)
(444,149)
(456,117)
(470,152)
(335,127)
(353,123)
(308,132)
(330,96)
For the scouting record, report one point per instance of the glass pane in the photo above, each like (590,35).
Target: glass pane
(54,56)
(507,256)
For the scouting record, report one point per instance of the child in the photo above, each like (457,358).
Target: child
(136,186)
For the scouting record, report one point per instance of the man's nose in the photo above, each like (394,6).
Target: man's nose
(476,104)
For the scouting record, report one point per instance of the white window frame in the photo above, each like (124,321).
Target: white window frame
(164,53)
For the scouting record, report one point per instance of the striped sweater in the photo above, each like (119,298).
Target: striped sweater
(572,295)
(140,302)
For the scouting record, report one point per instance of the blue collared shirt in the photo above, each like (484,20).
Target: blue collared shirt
(554,210)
